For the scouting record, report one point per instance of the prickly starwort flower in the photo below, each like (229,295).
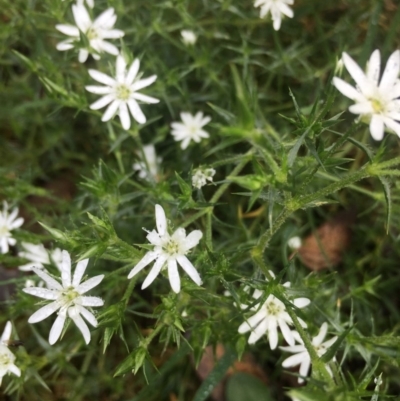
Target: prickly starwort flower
(190,128)
(7,358)
(169,250)
(376,101)
(8,222)
(67,297)
(277,8)
(189,38)
(122,93)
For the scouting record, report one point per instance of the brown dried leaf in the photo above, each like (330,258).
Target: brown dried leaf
(324,248)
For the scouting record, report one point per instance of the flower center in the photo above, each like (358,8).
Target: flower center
(3,231)
(6,357)
(69,296)
(122,92)
(273,308)
(172,248)
(377,105)
(92,33)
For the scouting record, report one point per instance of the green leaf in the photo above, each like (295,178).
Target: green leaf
(386,190)
(242,386)
(293,152)
(335,346)
(215,376)
(225,114)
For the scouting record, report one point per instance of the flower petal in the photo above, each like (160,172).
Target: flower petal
(143,83)
(89,284)
(374,67)
(50,281)
(391,72)
(132,72)
(161,220)
(99,90)
(66,269)
(317,340)
(102,78)
(68,30)
(136,111)
(173,275)
(79,272)
(91,301)
(111,110)
(80,323)
(124,116)
(189,268)
(7,332)
(147,259)
(193,239)
(57,328)
(87,315)
(44,312)
(144,98)
(154,272)
(376,127)
(42,293)
(103,101)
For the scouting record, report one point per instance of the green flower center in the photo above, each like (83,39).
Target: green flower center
(377,105)
(6,357)
(4,231)
(92,34)
(69,296)
(273,308)
(172,247)
(122,92)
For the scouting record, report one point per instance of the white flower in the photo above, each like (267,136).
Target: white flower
(148,168)
(169,250)
(302,357)
(8,222)
(294,242)
(189,38)
(201,176)
(96,32)
(121,92)
(277,8)
(67,297)
(190,128)
(7,358)
(377,103)
(38,256)
(271,314)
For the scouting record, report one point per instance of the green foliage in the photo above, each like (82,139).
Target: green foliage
(288,158)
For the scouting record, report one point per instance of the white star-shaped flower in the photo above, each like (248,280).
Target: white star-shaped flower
(121,93)
(8,222)
(7,358)
(269,316)
(38,256)
(377,102)
(67,297)
(190,128)
(277,8)
(302,357)
(96,32)
(169,250)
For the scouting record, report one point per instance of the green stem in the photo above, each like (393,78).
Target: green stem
(146,342)
(391,162)
(209,230)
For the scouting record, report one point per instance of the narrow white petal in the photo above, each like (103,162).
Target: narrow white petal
(304,368)
(144,98)
(109,48)
(329,343)
(91,301)
(287,334)
(7,332)
(154,272)
(258,331)
(83,55)
(393,125)
(272,333)
(136,111)
(374,67)
(294,360)
(120,68)
(87,315)
(82,17)
(355,71)
(51,283)
(89,284)
(111,110)
(99,90)
(80,323)
(161,220)
(286,10)
(113,34)
(15,370)
(63,46)
(103,101)
(147,259)
(317,340)
(301,302)
(79,272)
(132,72)
(252,321)
(68,30)
(66,269)
(143,83)
(173,275)
(193,239)
(57,328)
(102,78)
(376,127)
(124,116)
(361,108)
(42,293)
(189,268)
(44,312)
(391,72)
(348,90)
